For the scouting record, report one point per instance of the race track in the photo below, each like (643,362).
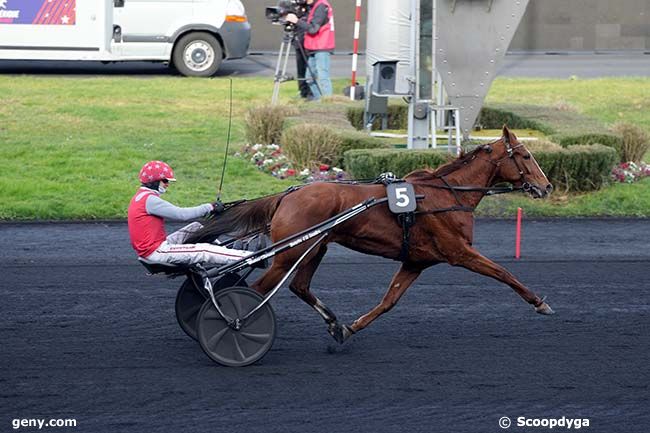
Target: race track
(87,335)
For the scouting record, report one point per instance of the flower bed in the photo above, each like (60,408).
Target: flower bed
(629,172)
(270,159)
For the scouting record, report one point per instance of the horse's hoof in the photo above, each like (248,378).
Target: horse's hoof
(339,332)
(544,309)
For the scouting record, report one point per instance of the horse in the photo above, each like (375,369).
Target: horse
(441,233)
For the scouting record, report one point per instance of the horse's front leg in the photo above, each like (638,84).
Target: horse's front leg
(471,259)
(401,281)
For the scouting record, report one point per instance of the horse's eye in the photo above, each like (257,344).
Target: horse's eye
(527,156)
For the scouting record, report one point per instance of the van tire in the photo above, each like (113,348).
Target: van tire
(197,54)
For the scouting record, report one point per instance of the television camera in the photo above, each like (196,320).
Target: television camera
(277,14)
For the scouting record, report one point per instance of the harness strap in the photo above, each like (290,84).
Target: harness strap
(445,209)
(452,189)
(407,220)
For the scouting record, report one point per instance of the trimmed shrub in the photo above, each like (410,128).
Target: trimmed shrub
(494,118)
(323,114)
(264,124)
(636,142)
(609,140)
(356,140)
(397,117)
(577,168)
(567,128)
(308,145)
(368,163)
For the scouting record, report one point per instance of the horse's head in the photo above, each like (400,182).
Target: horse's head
(515,164)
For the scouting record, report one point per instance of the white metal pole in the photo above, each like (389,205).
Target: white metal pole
(434,71)
(413,85)
(355,50)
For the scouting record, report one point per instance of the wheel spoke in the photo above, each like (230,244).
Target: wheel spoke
(191,312)
(240,352)
(236,303)
(212,314)
(256,337)
(216,338)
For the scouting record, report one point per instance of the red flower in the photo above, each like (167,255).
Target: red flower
(324,167)
(291,172)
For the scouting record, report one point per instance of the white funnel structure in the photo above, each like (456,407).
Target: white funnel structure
(472,39)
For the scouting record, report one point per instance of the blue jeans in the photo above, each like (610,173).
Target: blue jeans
(319,63)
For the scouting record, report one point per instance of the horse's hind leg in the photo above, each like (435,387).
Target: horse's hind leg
(268,281)
(398,285)
(474,261)
(300,287)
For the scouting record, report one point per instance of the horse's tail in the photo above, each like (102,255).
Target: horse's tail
(239,220)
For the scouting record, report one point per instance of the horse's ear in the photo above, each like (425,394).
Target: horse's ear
(506,133)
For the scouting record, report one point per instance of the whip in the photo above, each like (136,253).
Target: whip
(225,158)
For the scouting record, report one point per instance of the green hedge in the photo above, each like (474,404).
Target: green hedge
(494,118)
(567,128)
(578,168)
(397,117)
(367,164)
(564,127)
(351,140)
(609,140)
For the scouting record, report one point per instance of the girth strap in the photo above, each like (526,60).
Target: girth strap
(406,220)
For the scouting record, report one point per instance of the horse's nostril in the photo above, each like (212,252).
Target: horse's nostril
(549,188)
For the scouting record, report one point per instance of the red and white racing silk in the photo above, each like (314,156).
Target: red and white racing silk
(147,231)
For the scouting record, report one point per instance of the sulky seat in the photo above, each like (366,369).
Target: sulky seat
(157,268)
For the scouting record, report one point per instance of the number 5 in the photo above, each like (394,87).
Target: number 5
(402,197)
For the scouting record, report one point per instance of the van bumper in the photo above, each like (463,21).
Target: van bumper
(236,39)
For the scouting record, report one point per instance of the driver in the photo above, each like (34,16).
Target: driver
(148,212)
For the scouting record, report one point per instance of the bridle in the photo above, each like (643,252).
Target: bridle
(510,154)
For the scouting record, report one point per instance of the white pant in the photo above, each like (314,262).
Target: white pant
(173,251)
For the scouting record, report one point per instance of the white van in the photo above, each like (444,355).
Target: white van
(193,35)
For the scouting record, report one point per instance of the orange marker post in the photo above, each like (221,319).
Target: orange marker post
(518,237)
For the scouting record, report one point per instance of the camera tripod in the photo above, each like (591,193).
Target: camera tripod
(288,40)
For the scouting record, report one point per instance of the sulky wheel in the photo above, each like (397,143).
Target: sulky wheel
(234,346)
(189,299)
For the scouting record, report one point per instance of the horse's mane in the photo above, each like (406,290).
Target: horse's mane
(427,174)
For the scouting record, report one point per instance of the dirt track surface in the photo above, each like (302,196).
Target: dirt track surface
(87,335)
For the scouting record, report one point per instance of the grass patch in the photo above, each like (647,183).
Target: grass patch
(617,200)
(609,100)
(72,147)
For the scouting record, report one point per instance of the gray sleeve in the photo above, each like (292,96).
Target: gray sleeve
(320,18)
(159,207)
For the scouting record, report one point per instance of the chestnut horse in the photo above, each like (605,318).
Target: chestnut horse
(442,231)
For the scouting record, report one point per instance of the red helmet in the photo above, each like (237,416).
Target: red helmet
(154,171)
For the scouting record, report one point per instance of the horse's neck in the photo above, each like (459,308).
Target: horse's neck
(477,173)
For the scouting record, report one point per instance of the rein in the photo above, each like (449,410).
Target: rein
(486,190)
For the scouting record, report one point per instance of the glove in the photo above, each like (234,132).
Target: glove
(218,207)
